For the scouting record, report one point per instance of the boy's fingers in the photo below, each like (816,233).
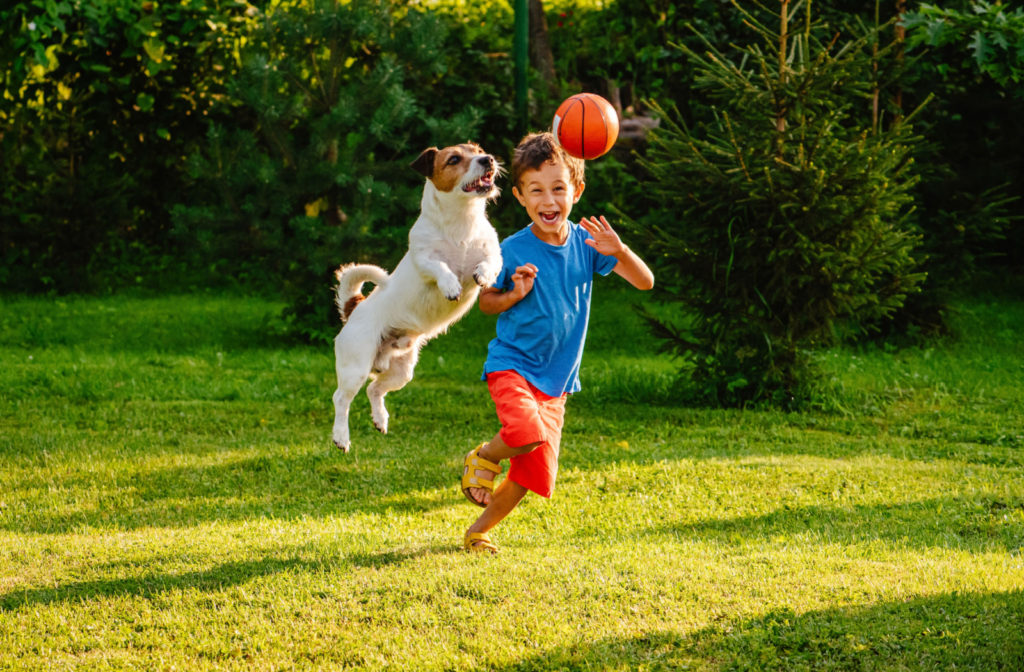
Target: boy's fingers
(595,225)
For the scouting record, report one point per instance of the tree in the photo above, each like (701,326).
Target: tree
(784,216)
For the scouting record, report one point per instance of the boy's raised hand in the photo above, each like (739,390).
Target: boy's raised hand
(603,236)
(523,280)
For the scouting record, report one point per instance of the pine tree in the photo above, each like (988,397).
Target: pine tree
(785,215)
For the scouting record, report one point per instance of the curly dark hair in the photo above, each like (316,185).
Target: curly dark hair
(536,149)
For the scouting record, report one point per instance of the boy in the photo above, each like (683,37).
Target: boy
(542,297)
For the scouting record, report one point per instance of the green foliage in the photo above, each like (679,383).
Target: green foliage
(115,113)
(331,105)
(627,43)
(970,56)
(101,101)
(989,35)
(784,219)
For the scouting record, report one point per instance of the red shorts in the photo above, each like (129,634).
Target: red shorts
(527,416)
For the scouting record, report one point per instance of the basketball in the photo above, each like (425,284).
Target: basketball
(585,125)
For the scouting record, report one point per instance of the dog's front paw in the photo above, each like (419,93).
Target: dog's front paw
(485,274)
(450,287)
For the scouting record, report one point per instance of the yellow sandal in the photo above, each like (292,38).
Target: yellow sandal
(479,542)
(473,462)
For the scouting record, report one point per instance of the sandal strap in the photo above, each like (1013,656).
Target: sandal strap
(478,541)
(474,460)
(471,480)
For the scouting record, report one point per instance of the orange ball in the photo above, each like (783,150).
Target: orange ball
(585,125)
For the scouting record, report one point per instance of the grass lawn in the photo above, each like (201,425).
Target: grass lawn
(169,500)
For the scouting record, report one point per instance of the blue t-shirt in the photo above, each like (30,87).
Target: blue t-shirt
(541,337)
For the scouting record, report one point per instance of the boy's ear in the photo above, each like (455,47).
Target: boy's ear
(519,196)
(424,163)
(578,191)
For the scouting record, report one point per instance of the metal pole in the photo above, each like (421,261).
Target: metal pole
(520,47)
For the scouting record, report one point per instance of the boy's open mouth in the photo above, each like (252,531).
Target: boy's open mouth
(482,185)
(549,217)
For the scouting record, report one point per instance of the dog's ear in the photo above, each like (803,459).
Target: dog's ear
(424,163)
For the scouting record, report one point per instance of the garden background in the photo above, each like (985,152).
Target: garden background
(802,451)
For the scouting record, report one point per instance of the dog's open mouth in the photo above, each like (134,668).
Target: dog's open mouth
(481,185)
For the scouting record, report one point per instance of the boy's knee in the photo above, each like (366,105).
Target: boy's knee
(523,450)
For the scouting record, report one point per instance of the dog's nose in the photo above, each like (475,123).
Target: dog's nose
(486,160)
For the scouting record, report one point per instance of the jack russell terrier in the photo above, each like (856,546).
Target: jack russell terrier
(453,251)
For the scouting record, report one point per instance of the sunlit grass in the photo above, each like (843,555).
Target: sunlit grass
(169,500)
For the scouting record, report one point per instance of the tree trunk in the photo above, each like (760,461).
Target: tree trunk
(541,57)
(780,119)
(901,39)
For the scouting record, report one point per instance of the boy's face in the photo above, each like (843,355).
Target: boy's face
(548,195)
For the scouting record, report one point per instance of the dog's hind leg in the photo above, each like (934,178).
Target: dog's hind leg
(395,377)
(353,360)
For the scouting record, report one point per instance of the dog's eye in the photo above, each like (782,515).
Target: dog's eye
(452,160)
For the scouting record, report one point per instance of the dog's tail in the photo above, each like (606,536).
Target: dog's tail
(349,291)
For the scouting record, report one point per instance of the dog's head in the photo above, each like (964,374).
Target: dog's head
(465,169)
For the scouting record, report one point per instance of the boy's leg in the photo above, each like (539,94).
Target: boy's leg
(495,451)
(506,497)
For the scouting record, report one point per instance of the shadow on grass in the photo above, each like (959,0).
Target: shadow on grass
(943,632)
(397,557)
(946,522)
(211,580)
(270,485)
(385,475)
(702,433)
(151,585)
(414,469)
(247,472)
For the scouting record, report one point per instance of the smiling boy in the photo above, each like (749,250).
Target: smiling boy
(542,299)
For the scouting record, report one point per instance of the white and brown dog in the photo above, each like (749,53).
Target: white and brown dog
(453,251)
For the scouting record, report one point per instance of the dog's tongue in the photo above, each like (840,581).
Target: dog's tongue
(484,183)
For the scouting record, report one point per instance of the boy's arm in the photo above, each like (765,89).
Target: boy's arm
(634,270)
(494,300)
(630,267)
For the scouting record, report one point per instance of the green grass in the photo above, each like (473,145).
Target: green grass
(169,500)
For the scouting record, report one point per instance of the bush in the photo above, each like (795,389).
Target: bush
(973,57)
(102,99)
(784,218)
(332,104)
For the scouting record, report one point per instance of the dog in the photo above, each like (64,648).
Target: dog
(453,252)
